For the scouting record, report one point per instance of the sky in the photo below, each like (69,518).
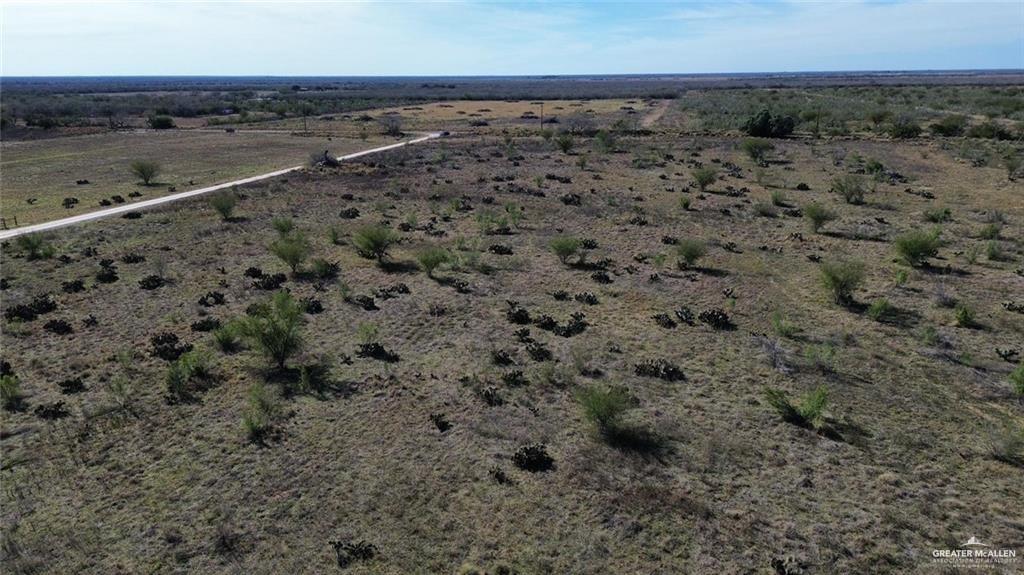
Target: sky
(40,38)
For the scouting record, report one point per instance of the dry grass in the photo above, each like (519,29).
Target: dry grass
(717,482)
(47,170)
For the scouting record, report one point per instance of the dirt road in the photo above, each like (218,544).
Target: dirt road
(132,207)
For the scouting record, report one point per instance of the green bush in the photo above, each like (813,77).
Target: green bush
(689,251)
(431,258)
(938,215)
(757,149)
(880,309)
(779,198)
(564,247)
(950,126)
(684,203)
(604,406)
(1007,444)
(965,316)
(283,225)
(145,170)
(991,231)
(904,127)
(765,210)
(161,122)
(817,215)
(373,242)
(808,413)
(176,381)
(704,177)
(292,249)
(273,327)
(850,187)
(35,247)
(224,203)
(228,337)
(324,269)
(765,125)
(841,278)
(989,130)
(565,142)
(1017,380)
(917,246)
(994,251)
(783,326)
(10,392)
(261,412)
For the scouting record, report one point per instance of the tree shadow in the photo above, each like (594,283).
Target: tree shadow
(399,267)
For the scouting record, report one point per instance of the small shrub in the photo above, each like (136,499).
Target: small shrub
(704,177)
(660,369)
(261,412)
(431,258)
(783,326)
(374,241)
(765,210)
(565,142)
(35,247)
(564,247)
(161,122)
(757,149)
(224,203)
(904,128)
(779,199)
(228,337)
(604,406)
(1007,445)
(880,310)
(915,247)
(689,251)
(991,231)
(964,315)
(817,215)
(851,188)
(808,413)
(325,270)
(841,278)
(284,226)
(533,458)
(273,327)
(1017,380)
(938,215)
(994,251)
(10,392)
(292,249)
(145,170)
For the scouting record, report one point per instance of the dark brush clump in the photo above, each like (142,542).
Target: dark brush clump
(52,411)
(660,369)
(533,458)
(211,299)
(517,314)
(270,283)
(440,422)
(393,291)
(312,306)
(663,320)
(58,326)
(501,357)
(586,297)
(347,552)
(73,286)
(152,282)
(376,351)
(40,305)
(167,347)
(206,324)
(71,386)
(538,351)
(685,315)
(716,318)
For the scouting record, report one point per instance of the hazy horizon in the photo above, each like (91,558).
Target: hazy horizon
(468,39)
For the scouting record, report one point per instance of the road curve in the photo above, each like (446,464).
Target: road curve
(52,225)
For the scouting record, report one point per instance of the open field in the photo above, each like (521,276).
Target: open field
(398,422)
(38,175)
